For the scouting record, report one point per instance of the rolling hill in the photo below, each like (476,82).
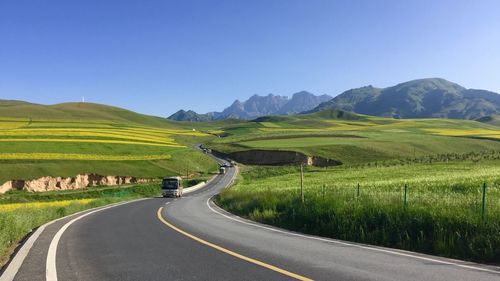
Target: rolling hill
(424,98)
(356,139)
(75,138)
(491,119)
(79,111)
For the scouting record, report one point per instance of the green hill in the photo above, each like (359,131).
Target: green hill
(79,112)
(423,98)
(355,139)
(73,138)
(190,116)
(492,120)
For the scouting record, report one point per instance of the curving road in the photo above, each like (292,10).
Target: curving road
(191,239)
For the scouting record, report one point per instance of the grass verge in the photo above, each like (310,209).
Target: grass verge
(442,214)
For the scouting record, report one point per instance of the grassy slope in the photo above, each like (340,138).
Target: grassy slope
(491,120)
(94,117)
(354,140)
(80,112)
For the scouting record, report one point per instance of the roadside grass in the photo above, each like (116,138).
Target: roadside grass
(22,212)
(442,214)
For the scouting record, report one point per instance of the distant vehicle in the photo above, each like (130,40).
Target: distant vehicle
(232,163)
(171,187)
(222,170)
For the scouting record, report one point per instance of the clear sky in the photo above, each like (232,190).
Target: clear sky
(158,56)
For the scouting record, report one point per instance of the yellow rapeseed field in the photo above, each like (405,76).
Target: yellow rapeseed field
(465,133)
(80,133)
(92,141)
(290,130)
(9,125)
(168,131)
(40,205)
(75,156)
(14,132)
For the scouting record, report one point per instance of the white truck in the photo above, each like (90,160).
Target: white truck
(171,187)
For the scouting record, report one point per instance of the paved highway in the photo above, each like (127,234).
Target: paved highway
(192,239)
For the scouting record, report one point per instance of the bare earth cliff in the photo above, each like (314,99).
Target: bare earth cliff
(61,183)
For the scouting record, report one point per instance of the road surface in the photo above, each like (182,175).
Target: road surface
(192,239)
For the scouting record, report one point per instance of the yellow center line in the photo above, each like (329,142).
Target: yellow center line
(229,252)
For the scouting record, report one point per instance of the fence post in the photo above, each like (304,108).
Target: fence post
(324,191)
(357,194)
(405,198)
(302,183)
(483,209)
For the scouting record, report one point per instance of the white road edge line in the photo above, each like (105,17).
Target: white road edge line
(15,264)
(12,269)
(50,268)
(240,220)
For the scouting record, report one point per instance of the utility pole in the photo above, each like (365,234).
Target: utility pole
(302,183)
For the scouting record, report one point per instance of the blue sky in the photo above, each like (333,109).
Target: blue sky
(158,56)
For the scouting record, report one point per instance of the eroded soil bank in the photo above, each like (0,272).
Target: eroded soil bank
(66,183)
(278,157)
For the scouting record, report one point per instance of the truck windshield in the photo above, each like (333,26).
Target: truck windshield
(170,184)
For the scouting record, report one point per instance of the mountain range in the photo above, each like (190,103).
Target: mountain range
(257,106)
(423,98)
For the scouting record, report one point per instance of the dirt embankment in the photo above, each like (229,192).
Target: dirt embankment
(278,157)
(61,183)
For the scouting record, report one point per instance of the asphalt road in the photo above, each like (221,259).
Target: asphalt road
(191,239)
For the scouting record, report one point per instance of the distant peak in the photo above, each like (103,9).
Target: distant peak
(302,93)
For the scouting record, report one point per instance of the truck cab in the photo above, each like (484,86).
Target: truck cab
(171,187)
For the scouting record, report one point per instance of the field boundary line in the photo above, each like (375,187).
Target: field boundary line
(408,254)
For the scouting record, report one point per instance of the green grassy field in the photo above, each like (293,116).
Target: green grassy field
(359,139)
(442,214)
(443,163)
(69,139)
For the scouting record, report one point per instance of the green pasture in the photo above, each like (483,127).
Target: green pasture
(355,140)
(442,213)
